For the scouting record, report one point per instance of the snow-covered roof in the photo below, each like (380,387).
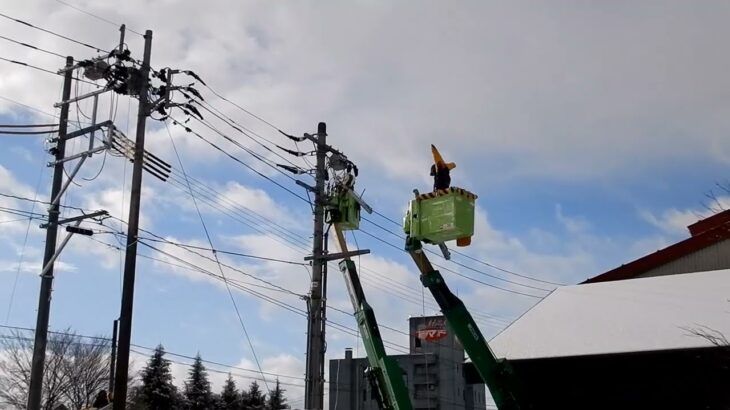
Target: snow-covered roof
(621,316)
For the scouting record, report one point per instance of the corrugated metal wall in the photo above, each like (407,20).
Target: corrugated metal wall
(713,257)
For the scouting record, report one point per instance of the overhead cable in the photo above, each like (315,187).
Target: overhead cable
(220,268)
(32,47)
(98,17)
(394,222)
(243,255)
(190,130)
(456,272)
(248,132)
(53,33)
(45,70)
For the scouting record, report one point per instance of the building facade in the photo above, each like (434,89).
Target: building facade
(434,372)
(627,338)
(707,249)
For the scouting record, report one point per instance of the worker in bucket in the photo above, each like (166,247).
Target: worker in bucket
(440,171)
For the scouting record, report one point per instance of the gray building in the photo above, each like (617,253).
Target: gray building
(434,372)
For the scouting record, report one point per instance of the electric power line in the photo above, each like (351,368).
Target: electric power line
(98,17)
(489,317)
(460,264)
(335,325)
(301,248)
(53,33)
(53,53)
(376,284)
(391,220)
(242,129)
(233,157)
(455,272)
(28,106)
(220,268)
(243,255)
(184,356)
(241,108)
(293,309)
(254,154)
(21,256)
(45,70)
(396,288)
(28,125)
(390,290)
(10,132)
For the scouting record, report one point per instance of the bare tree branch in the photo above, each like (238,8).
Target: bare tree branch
(713,336)
(75,370)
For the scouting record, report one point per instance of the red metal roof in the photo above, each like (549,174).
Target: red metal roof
(706,232)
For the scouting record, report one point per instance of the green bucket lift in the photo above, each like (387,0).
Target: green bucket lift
(344,210)
(438,217)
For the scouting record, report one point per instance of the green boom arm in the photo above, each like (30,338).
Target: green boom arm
(496,373)
(384,374)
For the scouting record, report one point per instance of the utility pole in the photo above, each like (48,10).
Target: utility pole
(314,383)
(44,299)
(113,358)
(130,261)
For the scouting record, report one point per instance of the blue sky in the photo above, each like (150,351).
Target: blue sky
(590,132)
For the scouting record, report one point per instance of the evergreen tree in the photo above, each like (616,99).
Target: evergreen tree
(157,391)
(277,401)
(256,400)
(230,399)
(245,399)
(197,387)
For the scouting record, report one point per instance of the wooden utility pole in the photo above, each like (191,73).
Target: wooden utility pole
(314,380)
(35,391)
(130,261)
(113,358)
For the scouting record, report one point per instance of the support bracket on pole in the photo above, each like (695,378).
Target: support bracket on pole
(86,130)
(78,218)
(57,253)
(80,97)
(305,186)
(339,255)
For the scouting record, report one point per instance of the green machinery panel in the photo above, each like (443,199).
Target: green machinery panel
(441,216)
(344,210)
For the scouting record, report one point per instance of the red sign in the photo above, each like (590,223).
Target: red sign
(433,330)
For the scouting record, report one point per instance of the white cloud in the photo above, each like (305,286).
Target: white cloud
(35,266)
(534,86)
(572,224)
(116,203)
(9,184)
(257,200)
(510,90)
(675,221)
(672,221)
(568,263)
(253,278)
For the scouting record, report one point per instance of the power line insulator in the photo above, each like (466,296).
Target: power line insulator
(291,137)
(293,170)
(291,152)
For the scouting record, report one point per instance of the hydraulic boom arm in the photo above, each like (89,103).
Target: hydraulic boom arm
(385,376)
(495,373)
